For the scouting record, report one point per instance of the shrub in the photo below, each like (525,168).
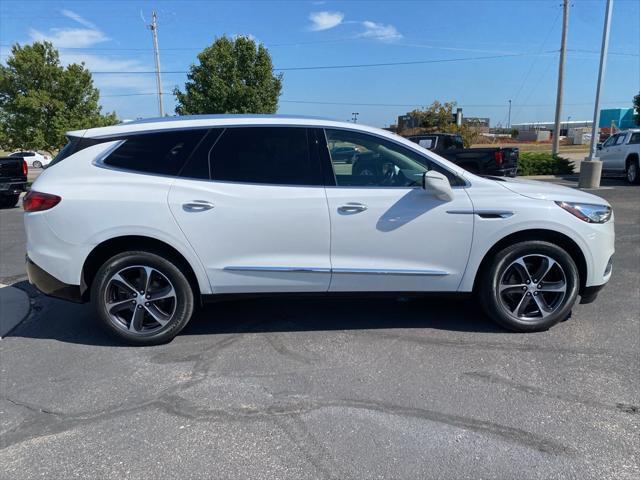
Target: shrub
(543,163)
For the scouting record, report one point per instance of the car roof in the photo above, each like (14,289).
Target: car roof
(204,121)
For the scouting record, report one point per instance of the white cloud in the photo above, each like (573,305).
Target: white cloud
(325,20)
(380,31)
(131,82)
(69,37)
(82,21)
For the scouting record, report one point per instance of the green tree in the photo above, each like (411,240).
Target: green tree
(233,76)
(636,106)
(436,116)
(40,99)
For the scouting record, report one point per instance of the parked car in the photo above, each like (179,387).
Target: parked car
(345,154)
(150,218)
(13,180)
(500,161)
(620,153)
(33,159)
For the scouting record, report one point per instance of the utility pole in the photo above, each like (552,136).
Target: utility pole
(563,51)
(591,167)
(509,121)
(355,117)
(154,32)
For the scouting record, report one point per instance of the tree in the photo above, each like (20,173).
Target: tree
(233,76)
(636,106)
(40,99)
(436,116)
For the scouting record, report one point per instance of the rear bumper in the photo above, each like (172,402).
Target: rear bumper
(50,285)
(12,188)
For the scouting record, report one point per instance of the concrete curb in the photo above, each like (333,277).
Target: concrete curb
(572,177)
(14,307)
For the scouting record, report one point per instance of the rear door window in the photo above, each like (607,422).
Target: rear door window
(265,155)
(162,153)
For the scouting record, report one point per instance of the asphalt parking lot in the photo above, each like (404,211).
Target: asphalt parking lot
(327,388)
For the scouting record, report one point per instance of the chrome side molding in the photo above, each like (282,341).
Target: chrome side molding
(367,271)
(483,213)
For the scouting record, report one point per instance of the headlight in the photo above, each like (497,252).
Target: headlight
(588,212)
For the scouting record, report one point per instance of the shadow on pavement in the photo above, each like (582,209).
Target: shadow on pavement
(74,323)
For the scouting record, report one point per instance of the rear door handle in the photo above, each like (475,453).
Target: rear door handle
(197,206)
(352,207)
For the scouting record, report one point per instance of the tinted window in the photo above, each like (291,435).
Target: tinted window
(621,138)
(161,153)
(635,138)
(272,155)
(610,141)
(198,164)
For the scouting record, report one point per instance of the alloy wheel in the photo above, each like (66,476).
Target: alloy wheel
(140,299)
(632,172)
(532,287)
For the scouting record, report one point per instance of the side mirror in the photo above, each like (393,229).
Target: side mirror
(599,146)
(437,184)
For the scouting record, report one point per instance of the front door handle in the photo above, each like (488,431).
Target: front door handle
(352,208)
(197,206)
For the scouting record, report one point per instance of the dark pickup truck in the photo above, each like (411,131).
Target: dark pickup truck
(500,161)
(13,180)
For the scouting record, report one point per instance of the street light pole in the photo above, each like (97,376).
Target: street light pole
(355,117)
(509,121)
(591,167)
(563,51)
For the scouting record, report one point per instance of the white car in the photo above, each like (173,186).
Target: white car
(620,153)
(33,159)
(149,219)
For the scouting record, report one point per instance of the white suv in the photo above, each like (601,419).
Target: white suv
(620,153)
(151,218)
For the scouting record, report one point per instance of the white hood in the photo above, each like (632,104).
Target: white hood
(548,191)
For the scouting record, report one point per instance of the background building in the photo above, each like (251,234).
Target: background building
(621,118)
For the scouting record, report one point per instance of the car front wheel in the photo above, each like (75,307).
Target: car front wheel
(37,164)
(142,298)
(529,286)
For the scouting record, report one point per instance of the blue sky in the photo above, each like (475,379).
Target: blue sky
(524,35)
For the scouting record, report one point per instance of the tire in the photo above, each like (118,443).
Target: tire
(9,201)
(118,306)
(511,294)
(633,172)
(37,164)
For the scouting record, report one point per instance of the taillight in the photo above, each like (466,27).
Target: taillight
(25,168)
(499,156)
(38,201)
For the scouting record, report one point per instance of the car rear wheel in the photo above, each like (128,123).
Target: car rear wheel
(633,172)
(529,286)
(37,164)
(142,298)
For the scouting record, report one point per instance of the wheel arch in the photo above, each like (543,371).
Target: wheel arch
(113,246)
(630,158)
(560,239)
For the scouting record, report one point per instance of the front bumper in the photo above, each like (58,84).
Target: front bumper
(50,285)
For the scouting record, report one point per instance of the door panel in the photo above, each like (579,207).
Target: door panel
(256,238)
(403,241)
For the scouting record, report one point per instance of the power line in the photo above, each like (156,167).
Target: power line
(334,67)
